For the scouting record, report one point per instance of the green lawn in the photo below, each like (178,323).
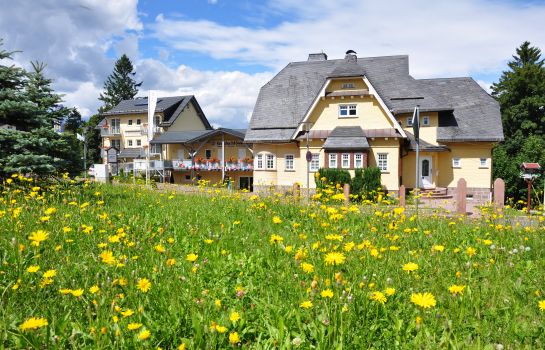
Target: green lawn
(135,268)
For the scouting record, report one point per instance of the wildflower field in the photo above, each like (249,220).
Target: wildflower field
(102,267)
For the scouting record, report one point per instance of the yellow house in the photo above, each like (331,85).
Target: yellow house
(125,127)
(357,112)
(184,146)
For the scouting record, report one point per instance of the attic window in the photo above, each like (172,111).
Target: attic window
(347,111)
(348,86)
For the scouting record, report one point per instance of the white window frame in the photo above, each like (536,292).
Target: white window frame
(138,142)
(426,120)
(409,121)
(130,122)
(114,143)
(456,162)
(315,162)
(483,164)
(382,162)
(356,161)
(259,161)
(351,111)
(270,161)
(332,160)
(129,143)
(138,121)
(289,162)
(345,160)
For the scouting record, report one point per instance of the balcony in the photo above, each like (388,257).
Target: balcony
(240,165)
(109,131)
(144,129)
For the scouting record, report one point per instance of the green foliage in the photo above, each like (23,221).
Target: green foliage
(73,122)
(120,85)
(521,95)
(366,183)
(331,177)
(94,141)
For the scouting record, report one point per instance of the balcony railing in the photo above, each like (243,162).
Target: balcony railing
(109,131)
(212,166)
(144,129)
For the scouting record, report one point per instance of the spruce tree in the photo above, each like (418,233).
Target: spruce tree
(120,85)
(28,103)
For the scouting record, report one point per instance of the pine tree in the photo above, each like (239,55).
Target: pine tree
(73,122)
(28,103)
(120,85)
(521,95)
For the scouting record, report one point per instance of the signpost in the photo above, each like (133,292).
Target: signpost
(416,131)
(152,102)
(530,172)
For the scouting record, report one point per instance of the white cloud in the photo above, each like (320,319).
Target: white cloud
(226,97)
(72,38)
(443,38)
(84,98)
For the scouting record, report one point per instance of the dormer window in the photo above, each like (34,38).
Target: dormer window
(426,120)
(348,86)
(347,110)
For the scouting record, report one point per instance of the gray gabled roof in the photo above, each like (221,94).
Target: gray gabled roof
(346,138)
(171,107)
(283,102)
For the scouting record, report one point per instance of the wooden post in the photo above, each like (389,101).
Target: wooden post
(499,194)
(402,196)
(346,193)
(296,191)
(529,201)
(461,192)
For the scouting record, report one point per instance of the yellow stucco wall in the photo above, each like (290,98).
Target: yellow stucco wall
(389,178)
(337,85)
(187,120)
(445,175)
(427,133)
(370,115)
(129,132)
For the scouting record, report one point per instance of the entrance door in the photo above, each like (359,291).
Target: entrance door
(246,182)
(426,172)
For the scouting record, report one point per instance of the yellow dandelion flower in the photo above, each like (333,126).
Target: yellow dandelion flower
(410,267)
(541,305)
(276,220)
(470,251)
(275,239)
(33,268)
(438,248)
(33,323)
(234,316)
(134,326)
(221,329)
(145,334)
(234,338)
(390,291)
(307,304)
(334,258)
(144,285)
(94,289)
(308,268)
(171,262)
(456,289)
(424,300)
(50,274)
(77,292)
(127,313)
(38,237)
(327,293)
(108,257)
(160,248)
(379,297)
(191,257)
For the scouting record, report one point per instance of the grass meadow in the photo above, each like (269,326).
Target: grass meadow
(88,266)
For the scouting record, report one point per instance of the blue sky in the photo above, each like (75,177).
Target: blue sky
(223,51)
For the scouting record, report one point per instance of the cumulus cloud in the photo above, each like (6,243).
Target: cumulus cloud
(72,38)
(442,38)
(226,97)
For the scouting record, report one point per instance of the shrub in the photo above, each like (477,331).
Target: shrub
(332,177)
